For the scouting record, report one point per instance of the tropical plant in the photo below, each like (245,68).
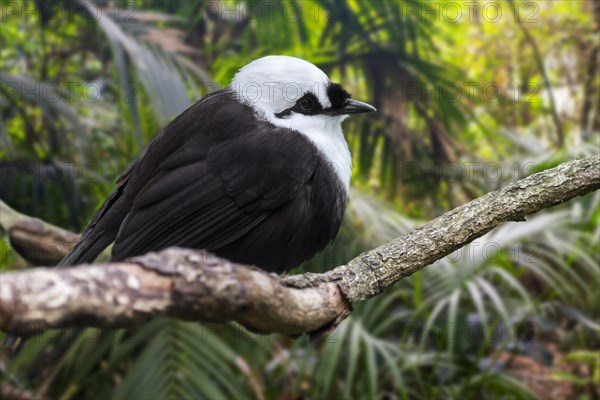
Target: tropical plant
(82,96)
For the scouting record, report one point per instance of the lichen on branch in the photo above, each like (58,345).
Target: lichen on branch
(197,286)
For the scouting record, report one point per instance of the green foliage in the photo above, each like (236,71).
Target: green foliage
(438,333)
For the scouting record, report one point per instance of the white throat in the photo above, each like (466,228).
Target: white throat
(327,135)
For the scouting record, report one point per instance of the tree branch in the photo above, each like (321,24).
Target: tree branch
(38,242)
(196,286)
(35,240)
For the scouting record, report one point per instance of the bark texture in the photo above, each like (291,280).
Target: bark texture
(197,286)
(35,240)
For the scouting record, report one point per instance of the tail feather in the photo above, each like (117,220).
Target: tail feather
(87,249)
(102,229)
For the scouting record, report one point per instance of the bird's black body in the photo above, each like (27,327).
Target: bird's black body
(240,187)
(255,175)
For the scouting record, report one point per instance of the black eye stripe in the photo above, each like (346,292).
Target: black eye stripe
(298,107)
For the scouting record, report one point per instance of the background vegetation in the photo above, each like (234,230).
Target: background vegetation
(470,95)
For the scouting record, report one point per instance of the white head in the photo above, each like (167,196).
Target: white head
(295,94)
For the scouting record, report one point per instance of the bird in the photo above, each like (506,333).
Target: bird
(257,173)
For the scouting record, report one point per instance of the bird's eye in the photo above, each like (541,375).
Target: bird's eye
(307,104)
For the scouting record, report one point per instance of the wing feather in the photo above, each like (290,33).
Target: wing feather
(213,203)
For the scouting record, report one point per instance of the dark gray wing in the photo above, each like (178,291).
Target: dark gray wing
(102,229)
(210,198)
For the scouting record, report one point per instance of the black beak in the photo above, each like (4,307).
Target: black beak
(351,106)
